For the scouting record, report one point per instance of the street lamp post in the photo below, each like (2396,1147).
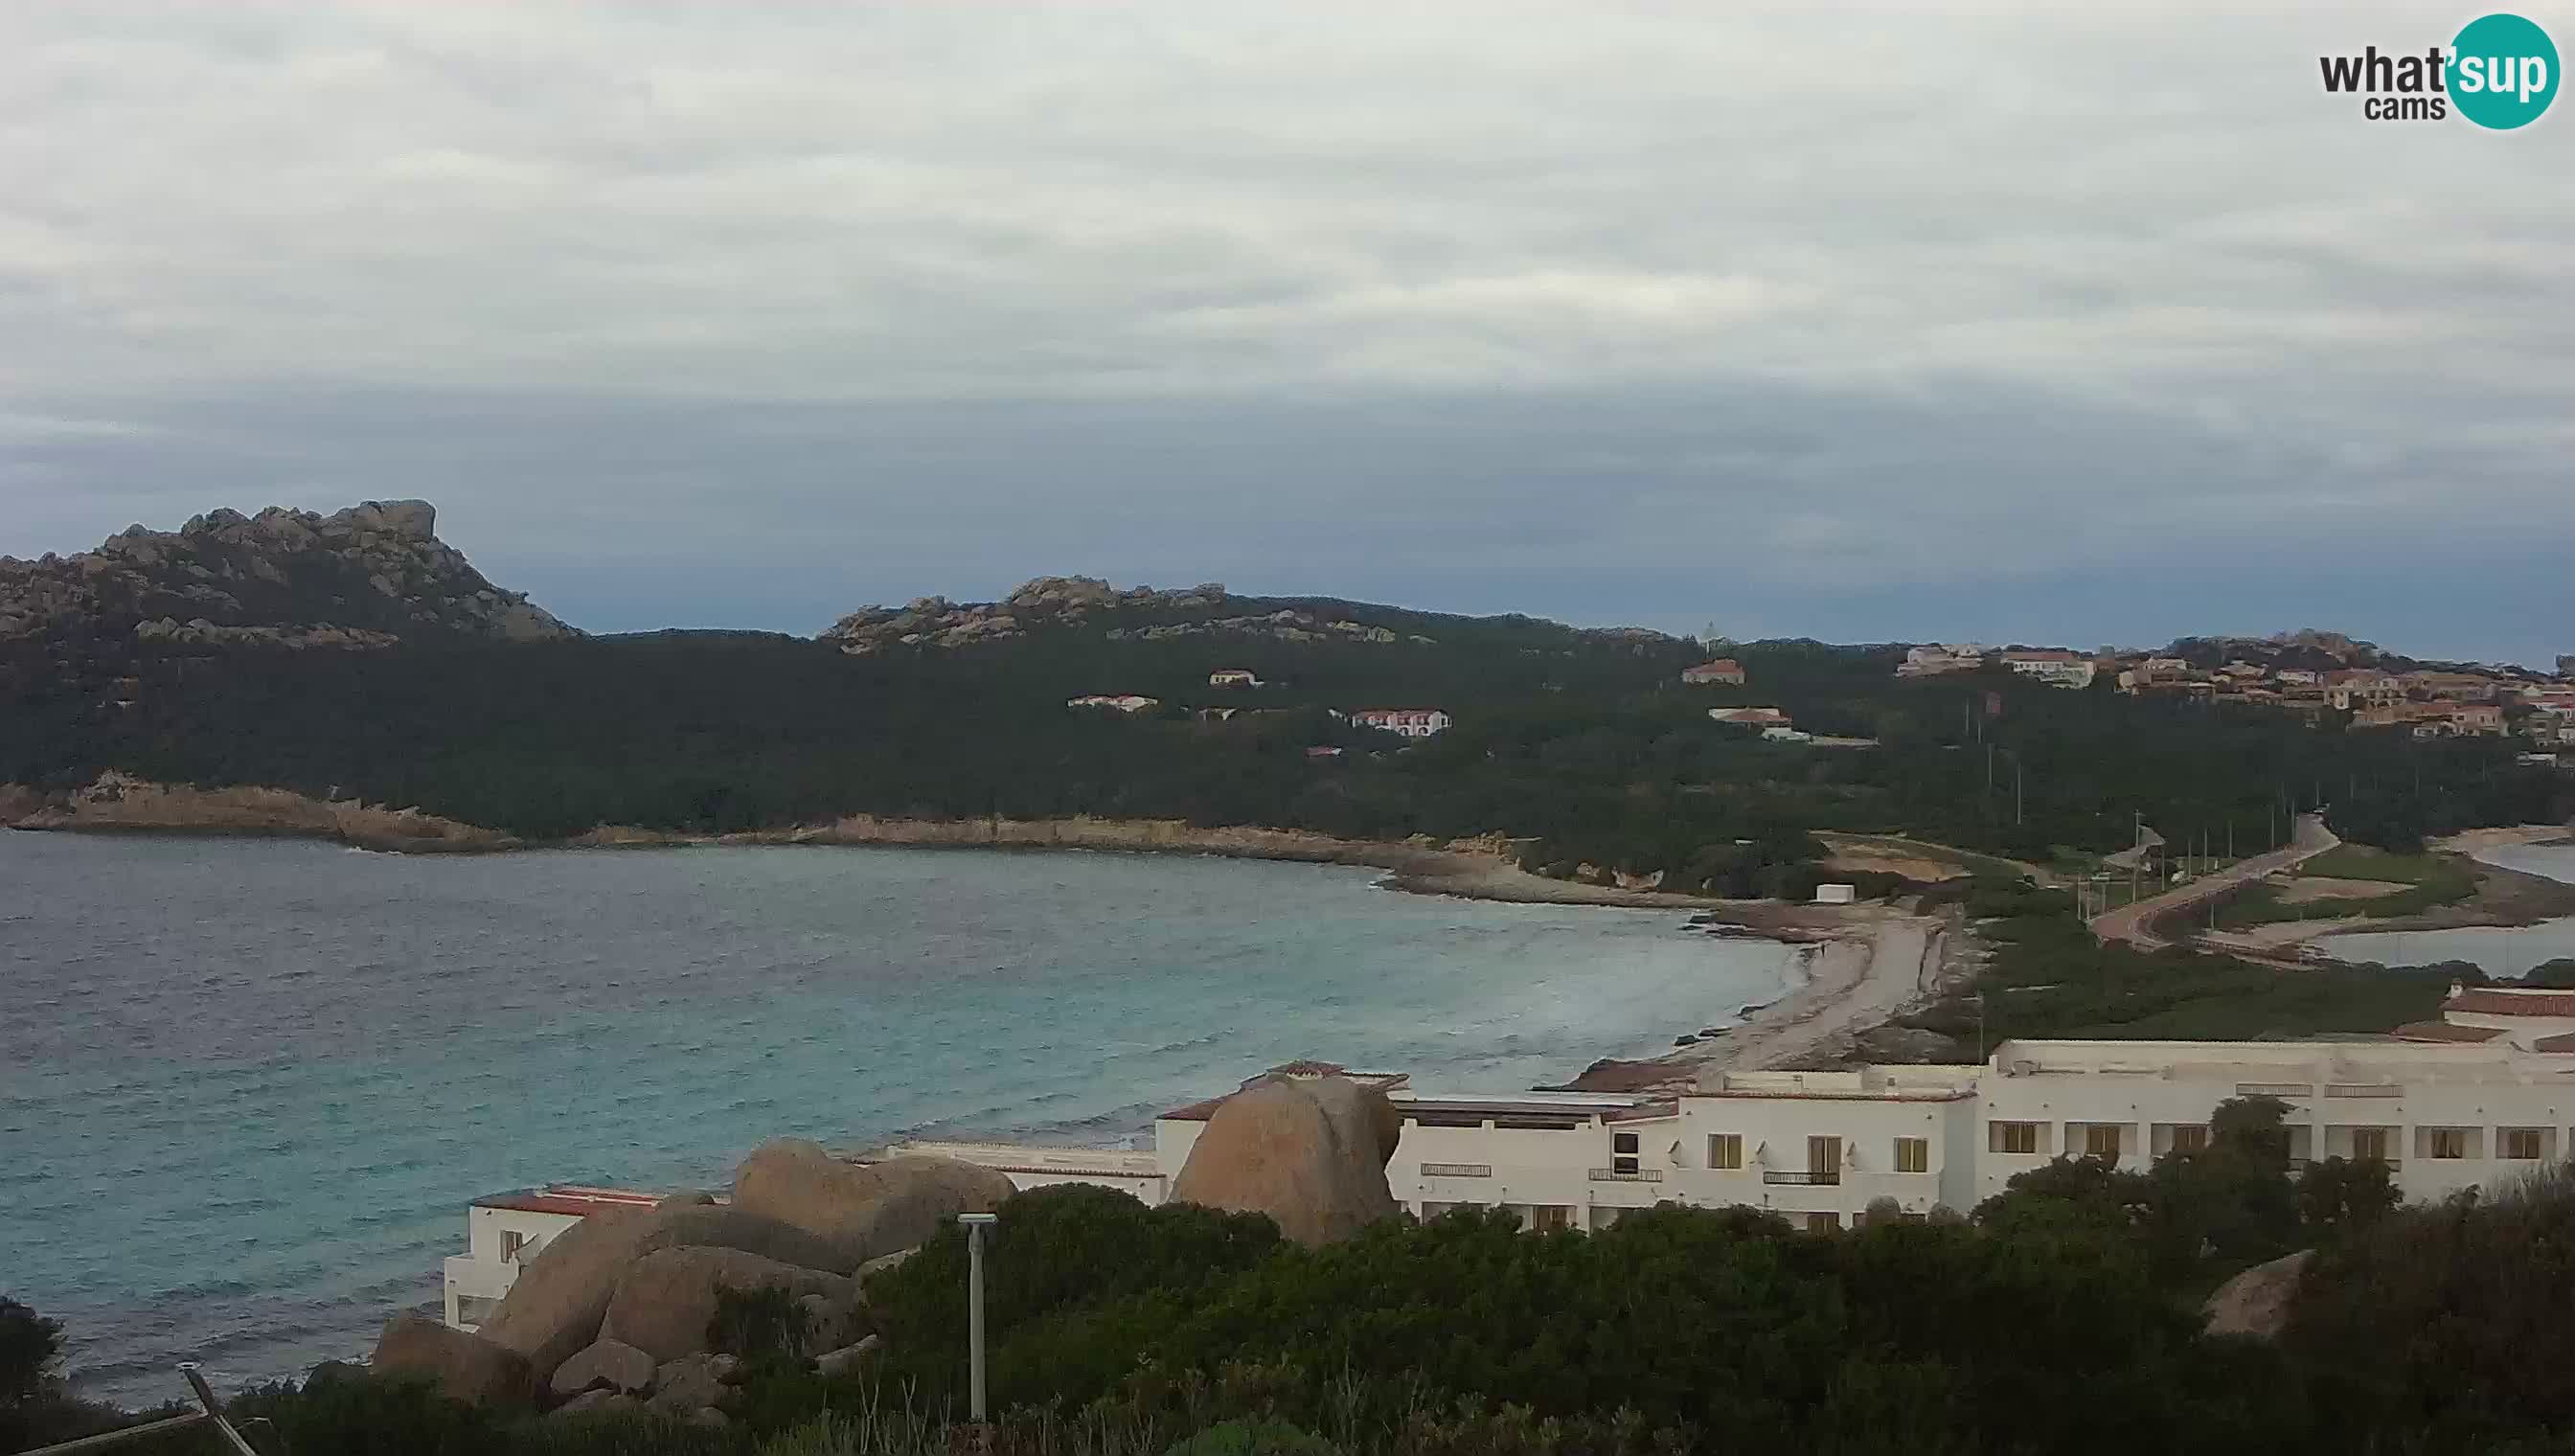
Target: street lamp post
(975,1223)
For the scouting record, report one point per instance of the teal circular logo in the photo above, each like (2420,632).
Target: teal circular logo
(2503,72)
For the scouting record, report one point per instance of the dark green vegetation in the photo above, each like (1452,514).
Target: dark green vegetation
(1583,743)
(1118,1329)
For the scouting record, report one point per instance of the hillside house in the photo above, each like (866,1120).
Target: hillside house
(1761,718)
(1233,678)
(1723,671)
(1121,701)
(1412,723)
(1925,662)
(2355,691)
(2052,666)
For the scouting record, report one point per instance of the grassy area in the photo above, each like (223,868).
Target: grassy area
(2048,977)
(2415,882)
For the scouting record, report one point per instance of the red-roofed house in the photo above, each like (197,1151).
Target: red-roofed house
(1723,671)
(504,1230)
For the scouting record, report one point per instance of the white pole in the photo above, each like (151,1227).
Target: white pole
(975,1223)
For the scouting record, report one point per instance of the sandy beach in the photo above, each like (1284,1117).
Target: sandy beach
(1883,962)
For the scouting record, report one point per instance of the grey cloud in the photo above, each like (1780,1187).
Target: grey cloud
(1553,307)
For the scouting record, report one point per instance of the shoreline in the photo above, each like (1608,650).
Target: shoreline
(1851,978)
(1853,982)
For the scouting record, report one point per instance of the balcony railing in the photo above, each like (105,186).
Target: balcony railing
(1456,1170)
(1627,1175)
(1808,1179)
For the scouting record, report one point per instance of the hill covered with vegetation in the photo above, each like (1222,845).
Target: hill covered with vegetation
(1583,744)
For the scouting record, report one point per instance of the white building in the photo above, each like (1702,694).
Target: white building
(2053,667)
(506,1229)
(1924,662)
(1123,702)
(2479,1098)
(1412,723)
(1233,678)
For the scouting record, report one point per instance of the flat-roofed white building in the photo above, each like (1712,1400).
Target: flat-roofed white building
(1129,1170)
(2479,1098)
(503,1230)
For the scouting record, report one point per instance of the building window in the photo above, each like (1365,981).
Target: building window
(1622,1152)
(2445,1142)
(2101,1141)
(1550,1219)
(2190,1138)
(512,1241)
(2014,1136)
(2370,1144)
(1726,1150)
(2521,1142)
(1913,1155)
(1823,1222)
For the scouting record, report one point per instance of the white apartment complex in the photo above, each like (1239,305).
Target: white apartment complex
(2480,1098)
(1412,723)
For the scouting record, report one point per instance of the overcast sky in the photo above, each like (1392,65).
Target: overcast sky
(2068,323)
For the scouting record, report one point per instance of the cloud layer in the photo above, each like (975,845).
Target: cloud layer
(1856,321)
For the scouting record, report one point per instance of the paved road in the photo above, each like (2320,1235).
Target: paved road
(2135,923)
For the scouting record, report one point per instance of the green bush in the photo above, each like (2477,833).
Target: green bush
(1076,1244)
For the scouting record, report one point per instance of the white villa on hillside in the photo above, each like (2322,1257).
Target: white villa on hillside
(2478,1098)
(1412,723)
(2052,666)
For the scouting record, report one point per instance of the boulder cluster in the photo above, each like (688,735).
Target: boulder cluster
(1046,602)
(1050,601)
(357,578)
(1284,625)
(619,1310)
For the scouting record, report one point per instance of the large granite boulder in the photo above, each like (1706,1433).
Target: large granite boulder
(2256,1302)
(864,1209)
(562,1296)
(605,1365)
(693,1387)
(1309,1151)
(664,1301)
(462,1366)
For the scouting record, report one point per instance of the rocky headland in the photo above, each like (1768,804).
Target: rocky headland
(355,580)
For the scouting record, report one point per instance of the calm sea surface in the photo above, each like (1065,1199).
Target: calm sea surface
(247,1088)
(2500,952)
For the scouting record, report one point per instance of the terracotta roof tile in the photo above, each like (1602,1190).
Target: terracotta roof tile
(2445,1031)
(2493,1001)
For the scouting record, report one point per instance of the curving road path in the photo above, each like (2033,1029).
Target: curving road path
(2136,924)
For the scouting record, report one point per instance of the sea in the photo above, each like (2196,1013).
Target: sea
(248,1086)
(2498,951)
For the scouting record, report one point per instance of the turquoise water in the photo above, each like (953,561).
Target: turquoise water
(247,1088)
(2500,950)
